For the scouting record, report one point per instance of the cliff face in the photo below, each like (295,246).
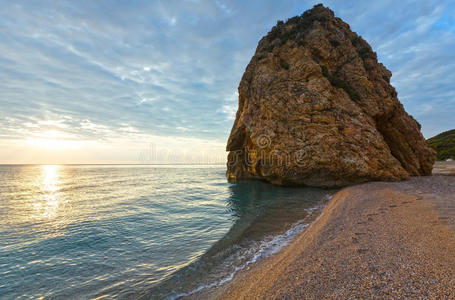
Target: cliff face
(316,108)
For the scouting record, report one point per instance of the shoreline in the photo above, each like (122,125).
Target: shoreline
(270,245)
(378,239)
(265,218)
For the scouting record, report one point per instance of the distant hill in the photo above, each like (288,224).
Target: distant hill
(444,144)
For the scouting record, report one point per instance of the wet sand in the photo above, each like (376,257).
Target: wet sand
(375,240)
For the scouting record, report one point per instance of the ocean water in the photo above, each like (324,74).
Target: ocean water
(151,232)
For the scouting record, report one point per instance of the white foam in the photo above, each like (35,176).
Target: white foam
(270,245)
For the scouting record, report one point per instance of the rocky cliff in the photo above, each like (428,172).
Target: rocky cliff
(316,108)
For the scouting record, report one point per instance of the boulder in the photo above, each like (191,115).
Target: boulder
(316,108)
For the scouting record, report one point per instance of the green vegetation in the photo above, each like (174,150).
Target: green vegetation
(337,82)
(325,71)
(444,144)
(418,124)
(364,52)
(261,57)
(334,43)
(355,41)
(285,36)
(284,64)
(293,29)
(301,42)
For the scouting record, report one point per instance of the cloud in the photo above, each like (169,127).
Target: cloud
(171,68)
(415,40)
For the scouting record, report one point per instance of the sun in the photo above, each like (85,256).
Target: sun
(53,140)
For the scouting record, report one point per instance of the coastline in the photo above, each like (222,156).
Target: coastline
(265,219)
(379,239)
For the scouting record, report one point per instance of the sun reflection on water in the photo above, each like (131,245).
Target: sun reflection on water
(48,205)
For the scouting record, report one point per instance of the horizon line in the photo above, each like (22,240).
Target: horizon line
(113,164)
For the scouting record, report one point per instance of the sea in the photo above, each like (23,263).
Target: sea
(138,231)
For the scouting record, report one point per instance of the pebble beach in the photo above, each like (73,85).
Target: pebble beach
(383,240)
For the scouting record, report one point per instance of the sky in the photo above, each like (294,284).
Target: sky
(156,81)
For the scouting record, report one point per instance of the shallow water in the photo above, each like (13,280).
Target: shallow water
(136,231)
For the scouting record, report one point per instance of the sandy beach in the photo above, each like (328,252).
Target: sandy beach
(446,168)
(374,240)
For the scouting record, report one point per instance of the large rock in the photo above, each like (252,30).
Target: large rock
(316,108)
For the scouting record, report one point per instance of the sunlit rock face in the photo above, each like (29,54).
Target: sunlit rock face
(316,108)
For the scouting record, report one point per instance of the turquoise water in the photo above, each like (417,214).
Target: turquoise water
(136,231)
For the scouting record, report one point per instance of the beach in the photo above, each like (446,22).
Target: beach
(374,240)
(446,168)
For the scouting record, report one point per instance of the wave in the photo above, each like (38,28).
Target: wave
(265,219)
(269,246)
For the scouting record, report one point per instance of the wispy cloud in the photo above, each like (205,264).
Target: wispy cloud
(99,70)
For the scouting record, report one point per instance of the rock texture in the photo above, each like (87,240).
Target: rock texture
(316,108)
